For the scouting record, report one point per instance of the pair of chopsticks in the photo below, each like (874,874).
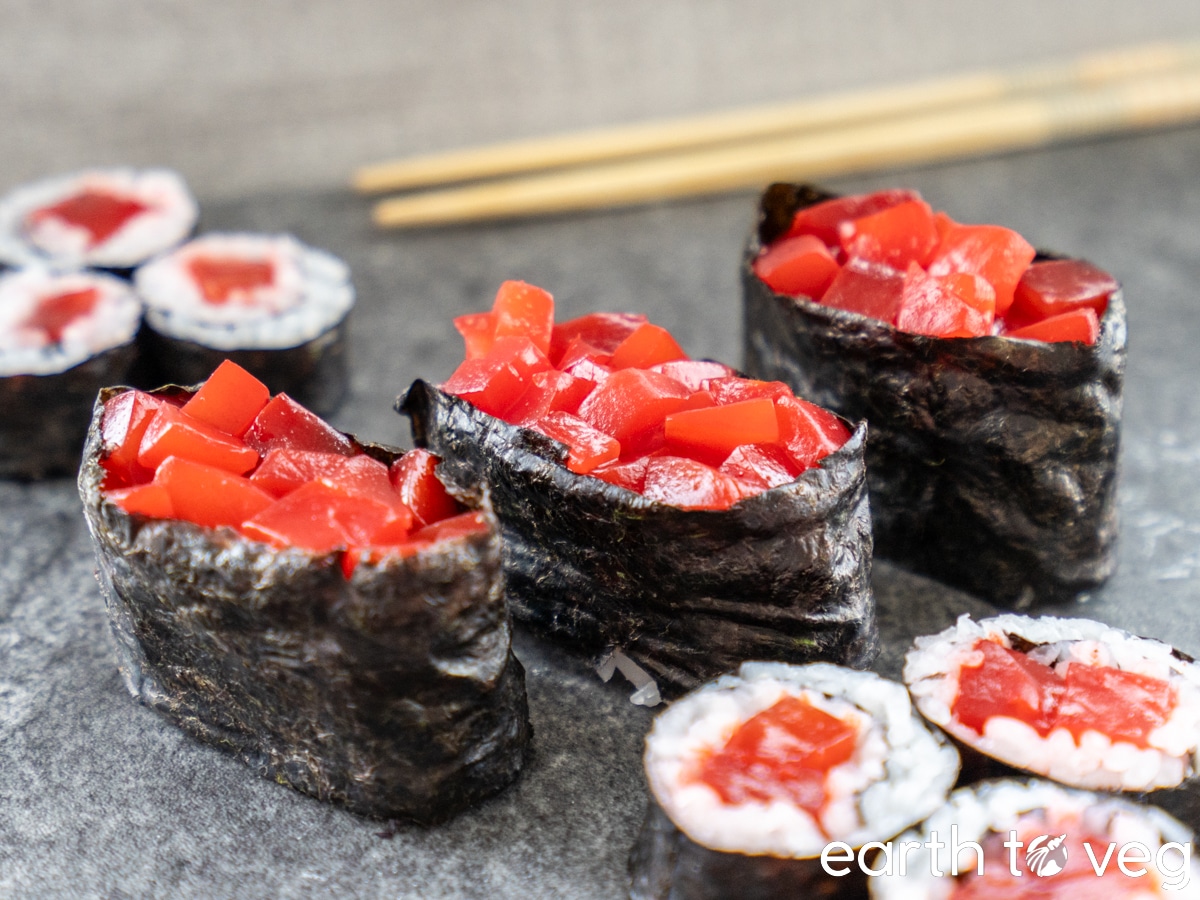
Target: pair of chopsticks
(1134,88)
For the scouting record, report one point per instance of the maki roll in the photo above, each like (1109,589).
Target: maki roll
(1031,839)
(765,782)
(320,608)
(657,511)
(1072,700)
(273,305)
(62,338)
(991,377)
(100,218)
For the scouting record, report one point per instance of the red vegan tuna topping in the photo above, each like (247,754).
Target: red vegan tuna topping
(632,408)
(1123,706)
(100,213)
(889,256)
(234,456)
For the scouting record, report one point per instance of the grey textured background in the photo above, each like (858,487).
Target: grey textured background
(265,108)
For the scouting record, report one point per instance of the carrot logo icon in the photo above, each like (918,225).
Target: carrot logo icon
(1046,856)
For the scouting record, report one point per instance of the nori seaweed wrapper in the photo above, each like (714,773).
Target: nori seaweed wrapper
(686,594)
(992,462)
(313,373)
(666,864)
(44,418)
(394,693)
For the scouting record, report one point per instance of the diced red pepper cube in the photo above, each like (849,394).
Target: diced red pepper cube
(478,331)
(549,391)
(1061,285)
(150,500)
(763,465)
(604,331)
(800,266)
(285,423)
(1079,325)
(229,400)
(632,401)
(647,346)
(808,432)
(868,290)
(733,389)
(712,434)
(415,479)
(942,307)
(494,383)
(172,432)
(689,484)
(283,469)
(630,474)
(522,310)
(693,373)
(122,425)
(587,447)
(894,237)
(999,254)
(824,219)
(208,495)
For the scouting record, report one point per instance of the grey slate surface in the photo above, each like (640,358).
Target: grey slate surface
(100,798)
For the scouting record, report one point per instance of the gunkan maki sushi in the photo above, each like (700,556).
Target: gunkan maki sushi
(270,303)
(656,510)
(767,783)
(990,375)
(319,607)
(111,219)
(62,338)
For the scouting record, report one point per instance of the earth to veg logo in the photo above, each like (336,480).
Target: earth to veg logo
(1046,855)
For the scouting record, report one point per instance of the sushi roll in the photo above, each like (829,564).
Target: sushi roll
(273,305)
(764,781)
(1072,700)
(1032,839)
(318,607)
(991,377)
(659,513)
(112,219)
(62,338)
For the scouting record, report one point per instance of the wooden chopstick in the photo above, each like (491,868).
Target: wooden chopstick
(1145,101)
(768,121)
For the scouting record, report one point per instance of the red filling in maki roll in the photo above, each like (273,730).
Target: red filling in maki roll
(632,408)
(232,455)
(888,255)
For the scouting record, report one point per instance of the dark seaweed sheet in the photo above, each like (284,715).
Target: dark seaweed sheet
(687,594)
(394,693)
(668,865)
(314,373)
(992,463)
(44,418)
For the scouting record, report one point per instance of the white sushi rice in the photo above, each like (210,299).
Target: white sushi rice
(310,293)
(1032,808)
(170,216)
(932,672)
(24,350)
(899,773)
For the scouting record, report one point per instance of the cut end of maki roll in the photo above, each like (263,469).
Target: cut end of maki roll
(62,338)
(1073,700)
(284,592)
(99,218)
(653,504)
(1032,839)
(269,302)
(761,771)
